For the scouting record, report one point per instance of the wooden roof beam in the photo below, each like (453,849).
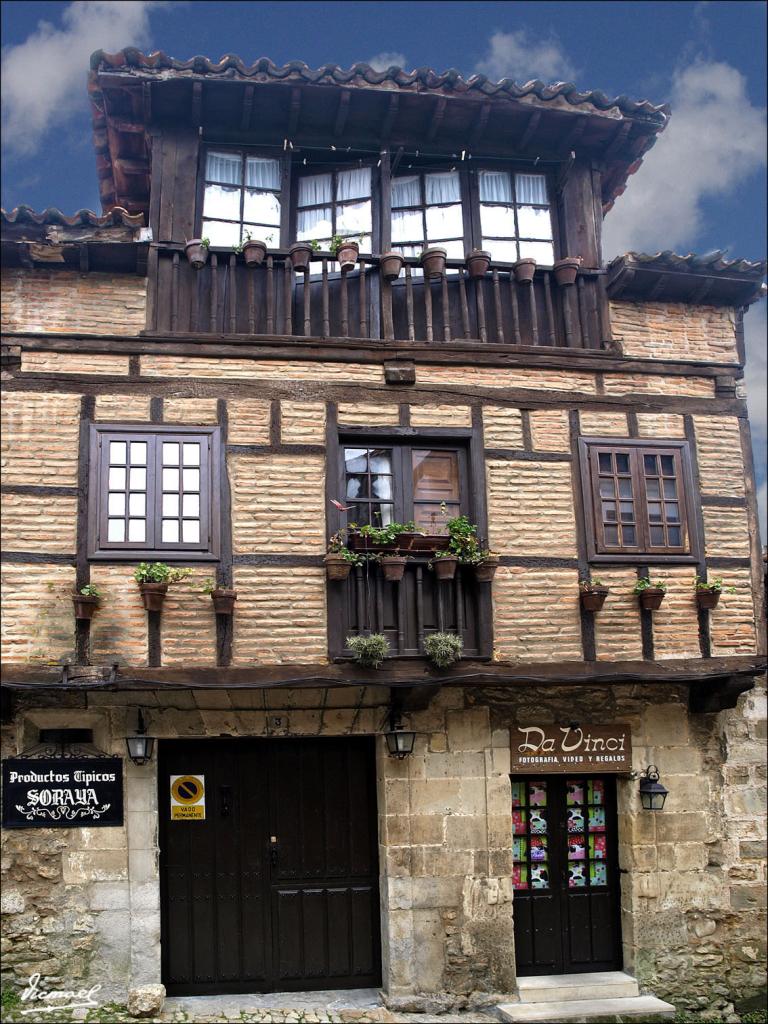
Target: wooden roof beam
(702,290)
(437,118)
(530,129)
(657,289)
(571,140)
(389,118)
(480,124)
(618,140)
(342,113)
(197,104)
(293,117)
(245,117)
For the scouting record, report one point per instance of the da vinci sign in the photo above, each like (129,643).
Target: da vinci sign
(588,749)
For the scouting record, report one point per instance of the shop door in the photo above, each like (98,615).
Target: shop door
(566,880)
(276,887)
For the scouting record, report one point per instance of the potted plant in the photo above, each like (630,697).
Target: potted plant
(393,567)
(708,591)
(197,252)
(593,594)
(346,252)
(566,270)
(525,270)
(478,263)
(391,263)
(443,649)
(153,579)
(253,250)
(339,559)
(223,600)
(444,563)
(651,592)
(86,601)
(369,651)
(433,261)
(392,538)
(485,565)
(300,254)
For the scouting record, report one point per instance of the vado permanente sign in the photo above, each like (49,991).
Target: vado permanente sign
(593,749)
(62,792)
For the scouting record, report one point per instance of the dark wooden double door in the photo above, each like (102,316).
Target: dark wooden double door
(276,888)
(566,877)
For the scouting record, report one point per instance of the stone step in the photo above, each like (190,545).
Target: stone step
(559,988)
(643,1007)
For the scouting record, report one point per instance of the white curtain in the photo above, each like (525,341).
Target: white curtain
(531,188)
(314,225)
(353,184)
(223,167)
(495,187)
(262,173)
(534,223)
(444,222)
(406,191)
(442,188)
(353,218)
(315,189)
(407,226)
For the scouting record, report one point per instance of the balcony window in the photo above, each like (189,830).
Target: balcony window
(241,198)
(337,202)
(427,210)
(515,218)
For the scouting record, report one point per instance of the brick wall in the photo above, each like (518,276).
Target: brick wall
(673,330)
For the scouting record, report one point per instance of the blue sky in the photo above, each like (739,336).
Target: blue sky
(701,188)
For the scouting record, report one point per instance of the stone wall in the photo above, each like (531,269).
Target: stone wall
(675,330)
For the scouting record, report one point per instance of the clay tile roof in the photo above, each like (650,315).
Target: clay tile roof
(711,263)
(116,217)
(711,279)
(420,79)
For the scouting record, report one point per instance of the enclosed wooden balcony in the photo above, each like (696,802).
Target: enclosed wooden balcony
(272,300)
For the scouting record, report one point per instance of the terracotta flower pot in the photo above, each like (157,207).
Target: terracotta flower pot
(347,254)
(153,595)
(84,606)
(566,271)
(391,264)
(301,255)
(478,263)
(254,252)
(223,601)
(445,568)
(486,570)
(393,567)
(525,270)
(651,598)
(593,600)
(433,262)
(337,567)
(197,253)
(707,598)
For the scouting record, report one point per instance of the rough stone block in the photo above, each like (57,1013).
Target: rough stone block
(468,729)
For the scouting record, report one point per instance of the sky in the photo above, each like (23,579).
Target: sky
(702,187)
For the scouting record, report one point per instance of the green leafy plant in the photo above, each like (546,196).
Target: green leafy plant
(339,240)
(443,649)
(205,243)
(715,584)
(314,245)
(208,586)
(446,553)
(384,535)
(369,651)
(588,585)
(90,590)
(337,546)
(159,572)
(646,583)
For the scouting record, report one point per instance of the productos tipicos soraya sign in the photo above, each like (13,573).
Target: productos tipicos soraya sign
(593,749)
(62,792)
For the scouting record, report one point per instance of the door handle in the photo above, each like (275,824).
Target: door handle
(225,801)
(274,848)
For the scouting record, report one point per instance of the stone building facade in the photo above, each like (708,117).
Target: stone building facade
(87,348)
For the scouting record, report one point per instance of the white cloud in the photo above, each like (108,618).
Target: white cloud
(43,78)
(385,60)
(755,379)
(715,140)
(519,56)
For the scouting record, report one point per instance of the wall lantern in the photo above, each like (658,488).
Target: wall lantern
(140,746)
(399,742)
(652,793)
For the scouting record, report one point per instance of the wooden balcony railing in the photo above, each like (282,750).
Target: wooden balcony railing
(273,300)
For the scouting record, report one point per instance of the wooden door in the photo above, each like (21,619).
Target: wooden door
(276,888)
(566,880)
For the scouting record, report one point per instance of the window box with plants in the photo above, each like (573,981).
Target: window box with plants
(708,591)
(196,250)
(153,579)
(389,539)
(86,600)
(467,549)
(593,594)
(650,592)
(223,599)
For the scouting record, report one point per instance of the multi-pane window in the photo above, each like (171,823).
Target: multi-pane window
(515,219)
(241,198)
(337,202)
(398,483)
(635,496)
(151,491)
(427,210)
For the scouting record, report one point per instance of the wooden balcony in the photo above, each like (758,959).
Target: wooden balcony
(227,297)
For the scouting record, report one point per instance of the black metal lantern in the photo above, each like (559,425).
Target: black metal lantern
(652,793)
(399,741)
(140,746)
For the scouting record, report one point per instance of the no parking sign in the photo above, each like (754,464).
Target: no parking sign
(187,797)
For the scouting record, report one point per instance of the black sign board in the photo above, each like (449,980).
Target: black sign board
(62,792)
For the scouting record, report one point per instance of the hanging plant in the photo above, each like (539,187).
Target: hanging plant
(650,592)
(223,599)
(443,649)
(391,263)
(593,594)
(86,601)
(196,250)
(445,564)
(566,270)
(339,559)
(708,591)
(433,261)
(478,263)
(369,651)
(525,270)
(393,567)
(153,579)
(346,252)
(300,254)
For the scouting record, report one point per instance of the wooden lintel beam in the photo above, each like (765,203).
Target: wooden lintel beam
(480,124)
(389,117)
(618,140)
(530,129)
(437,118)
(197,104)
(714,695)
(146,102)
(572,138)
(293,117)
(131,166)
(342,113)
(417,698)
(127,127)
(245,117)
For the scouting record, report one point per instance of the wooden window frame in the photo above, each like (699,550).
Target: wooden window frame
(643,553)
(421,208)
(207,550)
(242,151)
(513,169)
